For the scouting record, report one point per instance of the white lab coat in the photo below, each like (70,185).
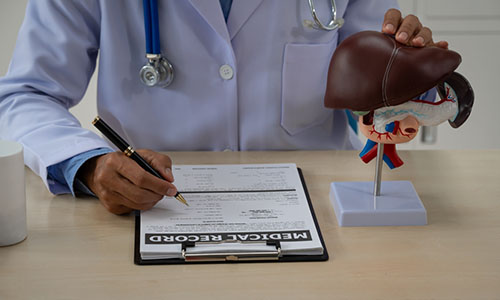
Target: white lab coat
(274,101)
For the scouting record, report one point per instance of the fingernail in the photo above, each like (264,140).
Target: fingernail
(171,192)
(389,27)
(419,41)
(169,174)
(403,36)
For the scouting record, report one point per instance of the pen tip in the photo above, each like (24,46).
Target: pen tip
(179,197)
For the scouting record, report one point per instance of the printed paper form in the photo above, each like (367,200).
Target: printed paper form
(232,202)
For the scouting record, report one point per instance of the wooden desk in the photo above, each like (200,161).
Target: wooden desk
(76,249)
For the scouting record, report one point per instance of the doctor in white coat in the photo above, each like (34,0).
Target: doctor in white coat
(253,82)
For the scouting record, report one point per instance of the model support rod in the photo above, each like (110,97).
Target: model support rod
(378,170)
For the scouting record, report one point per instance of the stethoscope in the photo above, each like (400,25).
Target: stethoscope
(332,25)
(158,71)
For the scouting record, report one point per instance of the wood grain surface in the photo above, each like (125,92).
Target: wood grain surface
(75,249)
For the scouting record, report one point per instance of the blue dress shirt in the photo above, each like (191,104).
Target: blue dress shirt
(65,171)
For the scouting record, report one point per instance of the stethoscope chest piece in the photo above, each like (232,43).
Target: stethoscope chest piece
(157,72)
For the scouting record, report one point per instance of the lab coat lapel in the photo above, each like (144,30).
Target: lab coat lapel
(240,11)
(211,11)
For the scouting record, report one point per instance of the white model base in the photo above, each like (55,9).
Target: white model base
(397,205)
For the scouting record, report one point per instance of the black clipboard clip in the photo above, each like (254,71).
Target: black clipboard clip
(272,254)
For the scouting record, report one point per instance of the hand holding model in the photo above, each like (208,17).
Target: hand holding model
(379,79)
(409,30)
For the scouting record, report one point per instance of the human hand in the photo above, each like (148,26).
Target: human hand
(409,30)
(122,185)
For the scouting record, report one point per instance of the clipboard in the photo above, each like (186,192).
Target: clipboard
(273,255)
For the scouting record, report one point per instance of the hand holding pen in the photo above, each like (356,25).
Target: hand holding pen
(122,184)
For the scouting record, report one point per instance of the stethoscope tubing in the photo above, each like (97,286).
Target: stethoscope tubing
(151,26)
(158,71)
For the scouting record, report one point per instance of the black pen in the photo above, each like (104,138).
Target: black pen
(129,151)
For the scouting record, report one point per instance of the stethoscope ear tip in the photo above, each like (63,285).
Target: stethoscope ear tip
(334,23)
(337,23)
(308,24)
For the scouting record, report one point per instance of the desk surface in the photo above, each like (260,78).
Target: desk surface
(75,248)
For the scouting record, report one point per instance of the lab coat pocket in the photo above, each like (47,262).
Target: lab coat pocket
(305,68)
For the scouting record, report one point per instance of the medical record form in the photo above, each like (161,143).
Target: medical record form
(236,208)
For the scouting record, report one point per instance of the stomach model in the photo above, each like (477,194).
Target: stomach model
(381,80)
(398,124)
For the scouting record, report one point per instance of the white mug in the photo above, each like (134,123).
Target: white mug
(12,194)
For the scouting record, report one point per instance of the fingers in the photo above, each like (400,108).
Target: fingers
(409,27)
(118,204)
(138,176)
(160,162)
(409,30)
(120,196)
(122,185)
(392,20)
(423,38)
(442,44)
(135,196)
(111,201)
